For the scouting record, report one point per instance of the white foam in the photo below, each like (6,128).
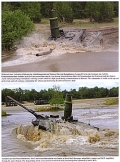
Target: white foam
(65,136)
(36,43)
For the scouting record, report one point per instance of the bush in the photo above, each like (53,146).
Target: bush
(15,25)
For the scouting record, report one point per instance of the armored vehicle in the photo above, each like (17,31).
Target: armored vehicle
(11,103)
(47,122)
(40,101)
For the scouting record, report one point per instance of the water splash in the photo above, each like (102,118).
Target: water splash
(68,135)
(37,43)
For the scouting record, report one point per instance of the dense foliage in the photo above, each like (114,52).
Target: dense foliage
(79,9)
(81,93)
(57,97)
(15,25)
(32,9)
(16,16)
(96,11)
(64,11)
(100,11)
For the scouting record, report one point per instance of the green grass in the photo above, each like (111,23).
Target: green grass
(48,108)
(83,23)
(4,113)
(45,21)
(88,24)
(113,101)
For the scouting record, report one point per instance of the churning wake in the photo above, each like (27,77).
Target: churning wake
(37,44)
(67,135)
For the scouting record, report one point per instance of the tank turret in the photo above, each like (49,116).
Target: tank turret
(45,122)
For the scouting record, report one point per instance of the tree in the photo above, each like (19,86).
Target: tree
(116,7)
(33,94)
(45,8)
(74,93)
(19,94)
(100,11)
(44,94)
(6,92)
(15,25)
(64,11)
(108,12)
(64,92)
(57,97)
(113,92)
(92,9)
(83,92)
(26,95)
(78,9)
(31,9)
(103,92)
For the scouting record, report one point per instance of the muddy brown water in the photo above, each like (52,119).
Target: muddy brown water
(66,56)
(106,61)
(56,144)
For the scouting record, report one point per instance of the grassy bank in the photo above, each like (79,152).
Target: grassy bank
(48,108)
(87,24)
(83,23)
(4,113)
(113,101)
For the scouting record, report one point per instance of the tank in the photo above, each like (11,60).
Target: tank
(40,101)
(55,33)
(10,103)
(68,107)
(46,122)
(82,36)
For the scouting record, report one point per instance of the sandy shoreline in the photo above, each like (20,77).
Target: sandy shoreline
(76,104)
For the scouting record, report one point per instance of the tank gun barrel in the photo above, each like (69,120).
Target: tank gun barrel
(29,110)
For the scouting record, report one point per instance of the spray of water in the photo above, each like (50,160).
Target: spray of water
(67,135)
(37,44)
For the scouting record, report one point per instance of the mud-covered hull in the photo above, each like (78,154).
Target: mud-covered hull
(48,125)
